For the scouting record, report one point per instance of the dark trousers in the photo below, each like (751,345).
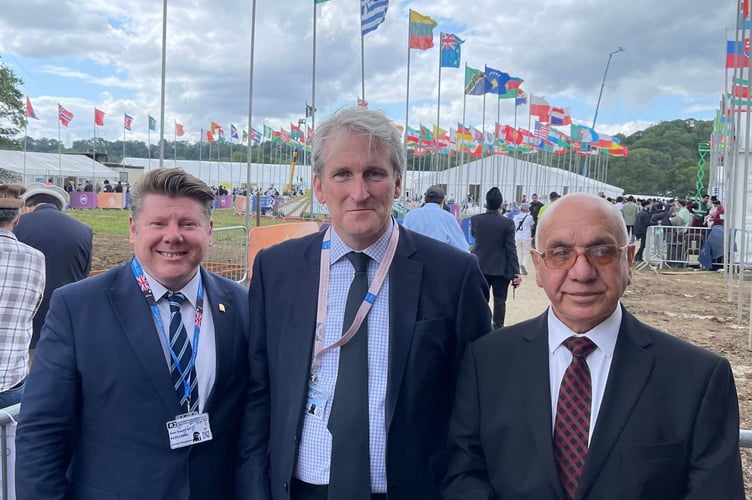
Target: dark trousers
(638,255)
(499,286)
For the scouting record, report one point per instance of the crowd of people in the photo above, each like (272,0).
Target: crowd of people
(363,362)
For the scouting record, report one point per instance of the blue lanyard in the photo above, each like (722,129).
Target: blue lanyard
(143,284)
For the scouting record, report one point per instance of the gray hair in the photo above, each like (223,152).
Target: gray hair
(172,182)
(375,125)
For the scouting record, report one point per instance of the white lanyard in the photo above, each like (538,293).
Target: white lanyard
(318,345)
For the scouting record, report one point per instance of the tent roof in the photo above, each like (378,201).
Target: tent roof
(51,164)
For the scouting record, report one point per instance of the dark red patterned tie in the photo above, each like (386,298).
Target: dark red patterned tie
(572,424)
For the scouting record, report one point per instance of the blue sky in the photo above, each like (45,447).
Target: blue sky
(107,53)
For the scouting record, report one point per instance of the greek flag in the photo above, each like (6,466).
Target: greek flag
(372,14)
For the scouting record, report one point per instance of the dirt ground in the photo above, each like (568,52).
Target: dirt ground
(694,305)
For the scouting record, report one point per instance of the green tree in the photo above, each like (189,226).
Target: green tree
(12,117)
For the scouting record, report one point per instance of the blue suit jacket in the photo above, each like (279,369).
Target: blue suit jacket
(93,418)
(668,426)
(438,303)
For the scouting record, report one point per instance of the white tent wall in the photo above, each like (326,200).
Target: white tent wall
(514,177)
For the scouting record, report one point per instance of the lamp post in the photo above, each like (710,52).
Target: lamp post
(598,104)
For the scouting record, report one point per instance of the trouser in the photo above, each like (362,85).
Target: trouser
(304,491)
(638,255)
(499,286)
(523,247)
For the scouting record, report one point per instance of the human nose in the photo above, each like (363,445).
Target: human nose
(358,188)
(172,233)
(581,268)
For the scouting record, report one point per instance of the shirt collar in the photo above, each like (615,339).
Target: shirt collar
(8,234)
(603,335)
(190,290)
(376,251)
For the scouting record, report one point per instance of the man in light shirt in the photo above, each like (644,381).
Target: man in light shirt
(433,221)
(656,417)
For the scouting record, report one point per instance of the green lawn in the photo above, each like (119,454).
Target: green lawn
(116,221)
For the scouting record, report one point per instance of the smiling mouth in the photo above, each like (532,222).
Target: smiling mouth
(171,254)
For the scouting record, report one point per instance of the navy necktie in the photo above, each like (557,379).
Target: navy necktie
(182,348)
(350,466)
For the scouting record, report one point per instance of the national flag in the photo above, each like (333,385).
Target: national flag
(737,54)
(209,136)
(152,123)
(475,81)
(519,101)
(268,133)
(477,134)
(362,103)
(255,135)
(234,132)
(245,137)
(585,134)
(425,134)
(221,134)
(542,130)
(296,132)
(495,81)
(308,110)
(179,129)
(320,1)
(421,31)
(127,121)
(450,50)
(463,133)
(560,116)
(284,135)
(98,117)
(215,126)
(30,110)
(372,14)
(64,115)
(539,107)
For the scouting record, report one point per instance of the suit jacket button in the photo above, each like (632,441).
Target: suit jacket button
(285,486)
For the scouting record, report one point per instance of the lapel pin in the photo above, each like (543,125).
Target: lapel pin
(221,308)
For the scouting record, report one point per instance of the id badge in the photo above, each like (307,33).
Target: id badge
(316,402)
(189,429)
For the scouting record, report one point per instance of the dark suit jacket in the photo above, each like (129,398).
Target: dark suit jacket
(668,426)
(66,244)
(100,394)
(438,303)
(494,244)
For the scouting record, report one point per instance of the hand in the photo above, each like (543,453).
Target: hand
(517,281)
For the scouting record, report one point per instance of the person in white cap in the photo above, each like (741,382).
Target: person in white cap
(65,242)
(21,289)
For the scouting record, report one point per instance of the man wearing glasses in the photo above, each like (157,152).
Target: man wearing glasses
(586,401)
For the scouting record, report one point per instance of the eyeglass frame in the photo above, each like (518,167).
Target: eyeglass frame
(579,252)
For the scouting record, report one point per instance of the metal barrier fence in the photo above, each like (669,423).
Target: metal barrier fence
(672,246)
(228,255)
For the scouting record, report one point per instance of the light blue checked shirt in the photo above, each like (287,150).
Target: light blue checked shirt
(315,452)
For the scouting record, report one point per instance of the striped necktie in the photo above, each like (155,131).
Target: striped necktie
(180,346)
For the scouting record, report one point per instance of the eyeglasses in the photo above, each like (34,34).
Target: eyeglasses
(597,255)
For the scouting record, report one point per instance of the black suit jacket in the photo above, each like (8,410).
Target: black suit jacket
(668,425)
(99,396)
(438,303)
(494,244)
(67,246)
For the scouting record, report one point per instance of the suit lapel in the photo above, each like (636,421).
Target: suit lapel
(532,365)
(131,311)
(627,377)
(224,331)
(405,277)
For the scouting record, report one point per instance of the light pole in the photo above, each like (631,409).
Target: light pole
(598,104)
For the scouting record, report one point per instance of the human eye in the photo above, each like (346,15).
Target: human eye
(341,175)
(600,251)
(559,253)
(376,174)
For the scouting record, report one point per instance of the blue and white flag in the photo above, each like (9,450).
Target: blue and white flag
(372,14)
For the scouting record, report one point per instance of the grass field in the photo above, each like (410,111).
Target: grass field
(116,221)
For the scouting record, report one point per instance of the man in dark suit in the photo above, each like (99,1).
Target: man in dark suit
(121,383)
(654,417)
(65,242)
(496,252)
(308,434)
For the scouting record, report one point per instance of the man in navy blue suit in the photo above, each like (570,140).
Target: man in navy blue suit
(427,301)
(65,242)
(132,363)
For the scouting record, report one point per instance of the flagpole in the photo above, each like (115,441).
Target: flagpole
(407,94)
(483,142)
(94,150)
(59,150)
(162,97)
(438,117)
(175,141)
(26,140)
(462,144)
(122,162)
(200,151)
(313,94)
(362,56)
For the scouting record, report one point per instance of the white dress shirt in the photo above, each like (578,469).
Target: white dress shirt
(604,336)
